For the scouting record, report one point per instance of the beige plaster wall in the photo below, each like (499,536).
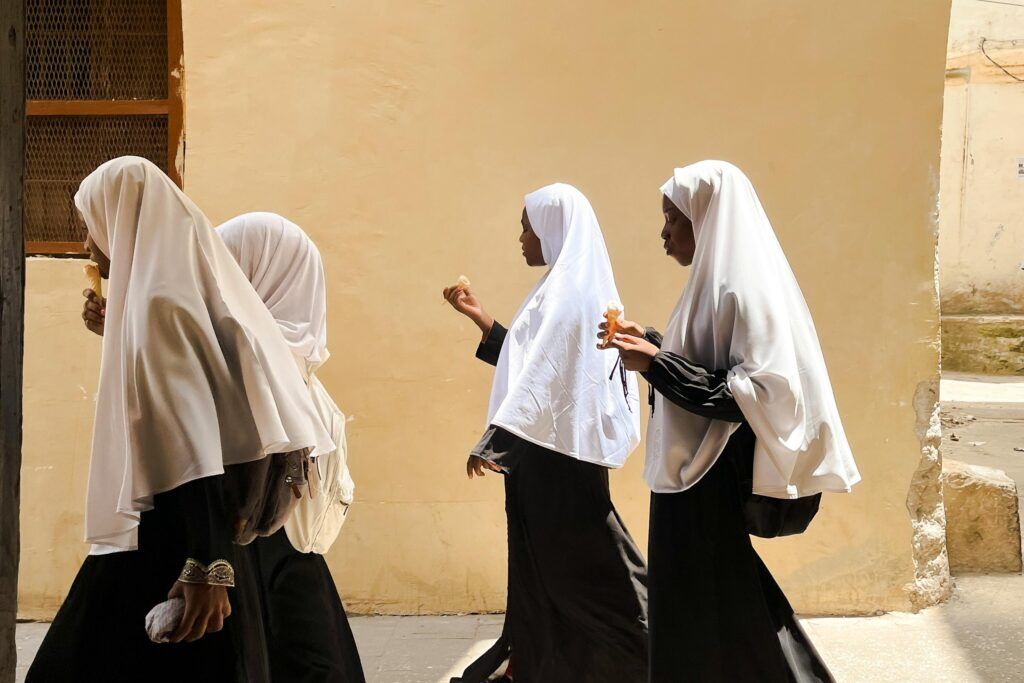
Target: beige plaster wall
(982,226)
(62,361)
(403,135)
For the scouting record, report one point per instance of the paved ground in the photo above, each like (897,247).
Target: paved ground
(977,636)
(958,386)
(393,649)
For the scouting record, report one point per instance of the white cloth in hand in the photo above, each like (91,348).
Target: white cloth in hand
(163,619)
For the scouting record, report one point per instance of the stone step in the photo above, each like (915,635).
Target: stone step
(982,519)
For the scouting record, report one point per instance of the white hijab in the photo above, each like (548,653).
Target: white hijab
(285,269)
(551,386)
(195,374)
(742,310)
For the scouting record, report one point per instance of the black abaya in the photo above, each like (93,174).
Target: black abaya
(716,613)
(308,634)
(577,584)
(99,632)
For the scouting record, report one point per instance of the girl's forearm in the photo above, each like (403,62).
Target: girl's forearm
(484,322)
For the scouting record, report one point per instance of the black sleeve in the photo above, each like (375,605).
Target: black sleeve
(653,336)
(490,348)
(202,509)
(692,387)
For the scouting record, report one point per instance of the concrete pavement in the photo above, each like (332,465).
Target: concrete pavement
(977,637)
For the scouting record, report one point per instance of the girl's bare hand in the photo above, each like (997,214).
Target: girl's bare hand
(463,300)
(624,326)
(477,465)
(206,608)
(636,352)
(94,312)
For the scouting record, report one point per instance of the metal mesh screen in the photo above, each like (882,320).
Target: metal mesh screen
(61,150)
(96,49)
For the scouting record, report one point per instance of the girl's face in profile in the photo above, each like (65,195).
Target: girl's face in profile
(532,252)
(677,233)
(98,257)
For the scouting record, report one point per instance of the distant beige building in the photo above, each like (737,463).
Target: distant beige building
(981,244)
(402,136)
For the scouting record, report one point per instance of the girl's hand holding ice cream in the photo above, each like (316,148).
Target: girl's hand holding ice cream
(636,352)
(95,307)
(94,311)
(627,337)
(614,324)
(462,299)
(627,327)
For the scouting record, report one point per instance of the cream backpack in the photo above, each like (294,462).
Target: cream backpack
(316,521)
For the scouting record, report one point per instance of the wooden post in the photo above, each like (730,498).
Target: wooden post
(12,318)
(175,93)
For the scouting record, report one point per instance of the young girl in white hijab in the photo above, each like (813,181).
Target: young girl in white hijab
(308,634)
(561,415)
(745,434)
(197,386)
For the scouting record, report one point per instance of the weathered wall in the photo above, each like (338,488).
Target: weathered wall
(970,21)
(403,135)
(982,227)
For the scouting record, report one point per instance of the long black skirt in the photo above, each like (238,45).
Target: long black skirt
(99,633)
(577,584)
(308,634)
(716,613)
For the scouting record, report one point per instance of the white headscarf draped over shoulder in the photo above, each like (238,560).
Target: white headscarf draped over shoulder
(195,374)
(742,310)
(551,385)
(285,269)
